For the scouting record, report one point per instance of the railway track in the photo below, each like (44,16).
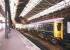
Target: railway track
(41,43)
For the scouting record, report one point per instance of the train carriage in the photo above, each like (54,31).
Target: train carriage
(56,30)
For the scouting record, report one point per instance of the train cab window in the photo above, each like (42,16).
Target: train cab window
(68,27)
(59,26)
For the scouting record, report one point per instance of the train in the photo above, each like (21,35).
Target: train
(56,30)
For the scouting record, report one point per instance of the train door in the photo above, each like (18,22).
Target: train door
(57,30)
(67,29)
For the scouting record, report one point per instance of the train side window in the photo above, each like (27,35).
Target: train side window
(59,26)
(50,27)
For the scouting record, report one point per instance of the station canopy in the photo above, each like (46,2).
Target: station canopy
(31,9)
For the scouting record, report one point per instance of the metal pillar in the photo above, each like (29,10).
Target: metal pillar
(7,18)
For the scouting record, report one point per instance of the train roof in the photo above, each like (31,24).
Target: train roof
(45,21)
(50,20)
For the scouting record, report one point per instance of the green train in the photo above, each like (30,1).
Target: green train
(56,30)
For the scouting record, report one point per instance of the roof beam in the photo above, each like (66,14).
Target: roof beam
(61,5)
(2,3)
(13,8)
(31,4)
(21,6)
(2,11)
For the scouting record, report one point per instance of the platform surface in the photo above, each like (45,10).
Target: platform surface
(16,41)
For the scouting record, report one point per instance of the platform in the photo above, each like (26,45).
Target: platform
(16,41)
